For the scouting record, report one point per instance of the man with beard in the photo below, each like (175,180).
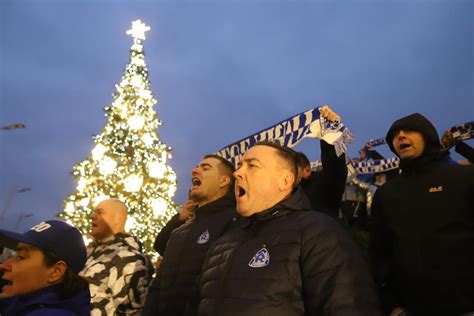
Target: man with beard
(422,234)
(214,212)
(285,259)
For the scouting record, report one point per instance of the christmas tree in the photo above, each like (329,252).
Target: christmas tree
(128,161)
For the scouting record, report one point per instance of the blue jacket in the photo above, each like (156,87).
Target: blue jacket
(46,302)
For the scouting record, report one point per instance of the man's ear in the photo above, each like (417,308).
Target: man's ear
(307,170)
(56,272)
(119,219)
(225,180)
(287,179)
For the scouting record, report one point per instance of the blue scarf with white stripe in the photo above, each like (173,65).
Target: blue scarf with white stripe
(291,131)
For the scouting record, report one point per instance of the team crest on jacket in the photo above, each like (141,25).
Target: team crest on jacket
(260,259)
(204,238)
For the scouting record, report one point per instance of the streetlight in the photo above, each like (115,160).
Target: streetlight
(21,217)
(10,197)
(13,126)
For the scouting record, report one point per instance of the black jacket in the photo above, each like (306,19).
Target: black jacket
(183,257)
(324,188)
(465,150)
(422,235)
(165,233)
(287,261)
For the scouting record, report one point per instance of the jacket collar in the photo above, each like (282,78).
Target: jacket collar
(224,203)
(122,238)
(48,297)
(296,202)
(419,164)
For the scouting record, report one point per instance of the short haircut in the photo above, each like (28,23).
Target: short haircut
(225,167)
(287,154)
(302,160)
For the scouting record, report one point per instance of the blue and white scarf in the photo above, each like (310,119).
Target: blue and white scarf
(375,165)
(291,131)
(458,132)
(462,132)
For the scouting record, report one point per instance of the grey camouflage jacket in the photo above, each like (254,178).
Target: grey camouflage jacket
(118,274)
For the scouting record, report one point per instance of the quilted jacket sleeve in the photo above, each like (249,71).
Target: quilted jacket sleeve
(129,289)
(336,277)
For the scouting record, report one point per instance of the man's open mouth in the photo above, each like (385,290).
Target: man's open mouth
(239,191)
(196,182)
(404,146)
(7,282)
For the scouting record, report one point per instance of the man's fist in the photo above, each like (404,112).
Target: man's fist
(187,210)
(326,112)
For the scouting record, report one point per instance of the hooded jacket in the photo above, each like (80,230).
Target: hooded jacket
(46,302)
(287,260)
(176,279)
(118,274)
(422,232)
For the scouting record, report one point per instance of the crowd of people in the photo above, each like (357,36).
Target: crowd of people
(265,238)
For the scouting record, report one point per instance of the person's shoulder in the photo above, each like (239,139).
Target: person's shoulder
(314,221)
(452,172)
(128,248)
(456,168)
(321,231)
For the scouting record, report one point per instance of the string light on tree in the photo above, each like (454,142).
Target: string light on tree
(128,160)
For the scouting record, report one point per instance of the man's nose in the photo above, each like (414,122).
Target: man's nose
(401,134)
(5,266)
(237,173)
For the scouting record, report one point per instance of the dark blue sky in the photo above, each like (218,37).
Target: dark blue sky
(220,71)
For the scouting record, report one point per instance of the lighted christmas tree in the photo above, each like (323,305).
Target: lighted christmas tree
(128,162)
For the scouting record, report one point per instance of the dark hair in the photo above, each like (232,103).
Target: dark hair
(287,154)
(302,160)
(71,283)
(225,166)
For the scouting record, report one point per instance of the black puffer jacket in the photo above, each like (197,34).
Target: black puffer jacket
(183,257)
(422,234)
(287,261)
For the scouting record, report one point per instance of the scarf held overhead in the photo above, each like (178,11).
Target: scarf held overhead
(459,132)
(291,131)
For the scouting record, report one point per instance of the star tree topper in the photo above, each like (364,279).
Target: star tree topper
(138,30)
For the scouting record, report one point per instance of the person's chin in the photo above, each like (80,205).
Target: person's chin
(195,194)
(95,233)
(242,210)
(7,291)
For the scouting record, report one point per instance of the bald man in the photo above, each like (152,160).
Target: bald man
(117,270)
